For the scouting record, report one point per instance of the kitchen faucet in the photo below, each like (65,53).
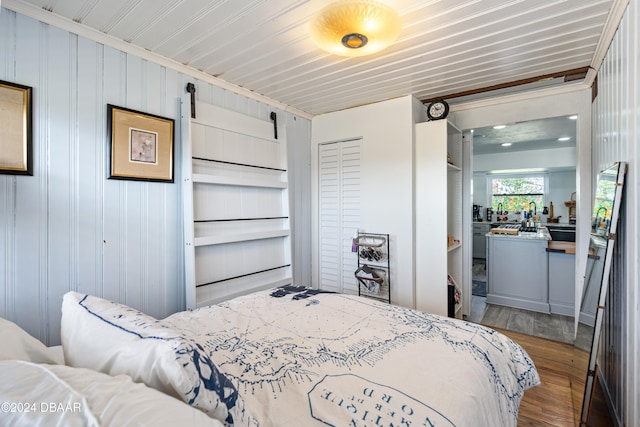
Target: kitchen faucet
(597,224)
(533,211)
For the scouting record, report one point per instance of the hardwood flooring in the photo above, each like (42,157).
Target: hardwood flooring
(558,400)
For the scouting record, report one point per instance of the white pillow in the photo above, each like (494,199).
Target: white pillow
(18,344)
(115,339)
(57,395)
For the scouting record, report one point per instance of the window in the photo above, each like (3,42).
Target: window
(515,193)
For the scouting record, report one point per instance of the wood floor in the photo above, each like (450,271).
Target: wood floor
(558,401)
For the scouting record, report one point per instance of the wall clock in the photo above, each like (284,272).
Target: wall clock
(437,110)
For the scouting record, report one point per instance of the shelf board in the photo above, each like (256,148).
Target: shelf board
(458,312)
(262,287)
(239,237)
(454,247)
(242,182)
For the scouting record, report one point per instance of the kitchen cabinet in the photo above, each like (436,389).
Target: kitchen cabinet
(480,240)
(562,275)
(517,272)
(594,268)
(438,195)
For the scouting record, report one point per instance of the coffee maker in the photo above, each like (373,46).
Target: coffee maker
(477,213)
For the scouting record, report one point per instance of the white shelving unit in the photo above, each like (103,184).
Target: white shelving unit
(236,207)
(438,178)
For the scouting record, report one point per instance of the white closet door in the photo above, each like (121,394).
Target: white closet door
(339,183)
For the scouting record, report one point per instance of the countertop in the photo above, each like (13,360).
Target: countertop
(562,247)
(549,224)
(542,234)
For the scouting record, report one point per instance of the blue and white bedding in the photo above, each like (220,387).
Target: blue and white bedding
(295,356)
(38,390)
(333,359)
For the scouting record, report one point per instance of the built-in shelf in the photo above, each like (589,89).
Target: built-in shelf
(236,213)
(454,247)
(232,180)
(438,177)
(264,286)
(239,237)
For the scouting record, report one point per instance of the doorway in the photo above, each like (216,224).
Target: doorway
(519,170)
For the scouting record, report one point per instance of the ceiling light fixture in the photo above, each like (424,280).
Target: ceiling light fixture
(506,144)
(500,126)
(355,27)
(564,138)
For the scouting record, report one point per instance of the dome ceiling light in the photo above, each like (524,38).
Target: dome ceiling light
(355,27)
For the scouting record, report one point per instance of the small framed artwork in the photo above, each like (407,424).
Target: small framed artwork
(141,145)
(16,132)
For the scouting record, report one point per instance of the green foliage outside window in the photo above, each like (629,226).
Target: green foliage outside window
(604,199)
(517,193)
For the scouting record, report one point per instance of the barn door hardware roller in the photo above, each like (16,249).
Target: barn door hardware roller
(191,88)
(274,117)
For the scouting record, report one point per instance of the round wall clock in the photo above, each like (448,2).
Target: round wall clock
(437,110)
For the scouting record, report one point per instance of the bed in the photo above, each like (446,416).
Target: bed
(299,356)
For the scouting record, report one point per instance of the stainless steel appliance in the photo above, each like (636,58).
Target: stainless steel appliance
(477,213)
(489,216)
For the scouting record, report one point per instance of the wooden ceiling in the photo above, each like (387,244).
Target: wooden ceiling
(263,46)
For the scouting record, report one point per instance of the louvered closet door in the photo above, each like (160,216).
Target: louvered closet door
(339,193)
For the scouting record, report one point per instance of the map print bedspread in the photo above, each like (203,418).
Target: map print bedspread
(304,357)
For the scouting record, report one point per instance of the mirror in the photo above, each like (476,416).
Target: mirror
(604,222)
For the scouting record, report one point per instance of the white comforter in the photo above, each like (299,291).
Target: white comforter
(302,357)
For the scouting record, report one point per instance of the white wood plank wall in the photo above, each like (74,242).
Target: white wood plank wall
(616,137)
(68,227)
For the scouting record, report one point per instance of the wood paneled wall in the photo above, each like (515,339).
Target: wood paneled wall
(616,130)
(68,227)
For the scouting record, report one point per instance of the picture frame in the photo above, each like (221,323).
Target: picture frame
(16,129)
(141,145)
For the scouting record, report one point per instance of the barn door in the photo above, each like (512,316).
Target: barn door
(236,208)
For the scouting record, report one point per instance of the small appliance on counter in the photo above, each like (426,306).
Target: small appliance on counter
(489,216)
(477,213)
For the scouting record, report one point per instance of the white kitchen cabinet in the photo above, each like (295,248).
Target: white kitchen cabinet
(438,210)
(480,240)
(517,272)
(562,277)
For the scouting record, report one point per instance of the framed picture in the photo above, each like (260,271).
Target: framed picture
(16,134)
(141,145)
